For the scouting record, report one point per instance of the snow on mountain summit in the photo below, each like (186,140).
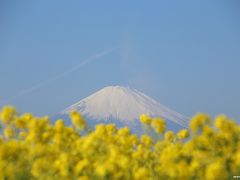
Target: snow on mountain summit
(124,104)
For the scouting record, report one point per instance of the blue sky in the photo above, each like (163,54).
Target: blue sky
(185,54)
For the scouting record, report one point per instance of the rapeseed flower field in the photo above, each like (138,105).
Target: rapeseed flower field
(33,148)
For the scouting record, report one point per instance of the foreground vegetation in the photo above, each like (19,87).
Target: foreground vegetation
(33,148)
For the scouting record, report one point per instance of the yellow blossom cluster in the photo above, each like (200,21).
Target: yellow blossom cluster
(33,148)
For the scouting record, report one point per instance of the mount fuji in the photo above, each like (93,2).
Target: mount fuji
(123,106)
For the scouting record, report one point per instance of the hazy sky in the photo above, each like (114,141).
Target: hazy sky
(185,54)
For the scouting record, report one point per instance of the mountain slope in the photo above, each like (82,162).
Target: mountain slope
(123,104)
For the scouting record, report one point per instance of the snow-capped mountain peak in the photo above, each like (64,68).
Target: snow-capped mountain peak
(124,104)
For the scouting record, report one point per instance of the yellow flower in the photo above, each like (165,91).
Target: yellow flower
(183,134)
(40,167)
(237,158)
(224,124)
(169,135)
(27,116)
(199,121)
(123,161)
(46,136)
(146,140)
(141,174)
(8,114)
(80,166)
(145,119)
(57,139)
(134,140)
(125,131)
(20,123)
(9,132)
(159,125)
(33,148)
(208,131)
(78,120)
(216,170)
(100,130)
(111,128)
(22,135)
(59,125)
(83,178)
(219,121)
(101,170)
(10,170)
